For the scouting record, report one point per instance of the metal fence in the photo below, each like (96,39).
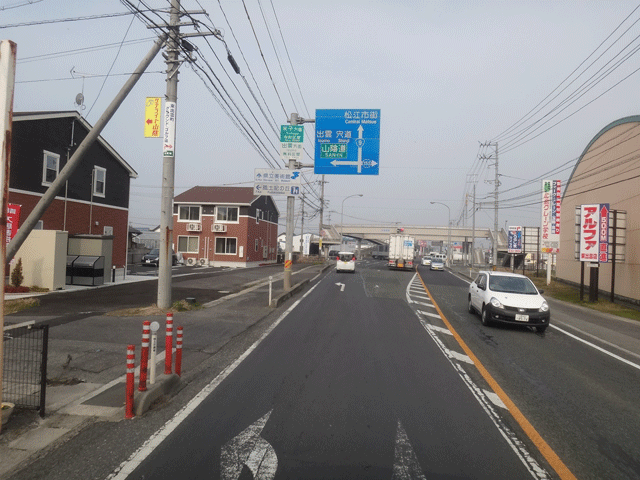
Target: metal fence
(25,365)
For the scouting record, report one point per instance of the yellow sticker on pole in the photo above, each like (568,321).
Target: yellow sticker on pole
(287,264)
(152,111)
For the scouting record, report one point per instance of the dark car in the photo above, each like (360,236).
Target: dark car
(151,258)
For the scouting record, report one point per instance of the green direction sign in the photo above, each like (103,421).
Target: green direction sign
(333,150)
(292,133)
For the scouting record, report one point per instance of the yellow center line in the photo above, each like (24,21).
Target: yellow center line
(547,452)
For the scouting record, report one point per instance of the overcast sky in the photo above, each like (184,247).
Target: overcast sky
(446,75)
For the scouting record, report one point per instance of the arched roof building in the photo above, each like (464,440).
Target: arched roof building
(608,171)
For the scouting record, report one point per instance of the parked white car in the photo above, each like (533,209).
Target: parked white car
(502,297)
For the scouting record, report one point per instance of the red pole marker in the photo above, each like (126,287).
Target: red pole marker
(131,367)
(179,351)
(144,355)
(168,345)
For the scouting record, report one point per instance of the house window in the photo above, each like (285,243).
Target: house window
(226,246)
(50,167)
(107,231)
(256,247)
(188,214)
(227,214)
(99,181)
(188,244)
(257,215)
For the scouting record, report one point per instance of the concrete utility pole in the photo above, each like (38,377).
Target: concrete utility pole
(288,248)
(7,82)
(448,232)
(165,259)
(496,185)
(302,225)
(77,157)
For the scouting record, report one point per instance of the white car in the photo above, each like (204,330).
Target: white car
(502,297)
(346,262)
(426,260)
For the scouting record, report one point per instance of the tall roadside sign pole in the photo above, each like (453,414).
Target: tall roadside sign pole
(293,158)
(7,82)
(169,160)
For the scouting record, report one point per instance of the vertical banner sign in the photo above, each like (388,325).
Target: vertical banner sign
(169,137)
(152,109)
(589,232)
(514,240)
(603,250)
(13,220)
(550,228)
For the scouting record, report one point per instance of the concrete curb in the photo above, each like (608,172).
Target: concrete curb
(276,302)
(164,385)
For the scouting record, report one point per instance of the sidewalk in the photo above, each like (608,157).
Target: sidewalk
(86,363)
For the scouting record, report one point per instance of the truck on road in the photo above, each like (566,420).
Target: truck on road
(401,251)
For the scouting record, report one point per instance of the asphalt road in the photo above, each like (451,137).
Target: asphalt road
(348,385)
(584,403)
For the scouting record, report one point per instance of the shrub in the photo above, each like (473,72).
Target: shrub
(16,275)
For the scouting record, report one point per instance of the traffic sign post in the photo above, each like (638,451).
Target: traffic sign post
(291,138)
(268,181)
(347,142)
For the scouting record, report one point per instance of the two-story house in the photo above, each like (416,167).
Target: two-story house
(95,199)
(225,226)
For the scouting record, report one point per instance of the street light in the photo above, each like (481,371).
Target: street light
(342,215)
(449,234)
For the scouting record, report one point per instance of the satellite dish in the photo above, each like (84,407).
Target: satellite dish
(79,99)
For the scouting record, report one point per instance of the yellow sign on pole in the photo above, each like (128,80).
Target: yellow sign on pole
(152,111)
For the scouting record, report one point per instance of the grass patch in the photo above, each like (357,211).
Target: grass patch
(19,304)
(568,293)
(178,306)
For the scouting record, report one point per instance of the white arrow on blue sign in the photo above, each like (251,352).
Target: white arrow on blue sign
(347,142)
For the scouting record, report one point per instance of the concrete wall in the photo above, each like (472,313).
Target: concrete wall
(44,259)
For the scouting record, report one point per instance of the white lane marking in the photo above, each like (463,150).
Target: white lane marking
(512,439)
(607,352)
(495,399)
(423,297)
(341,285)
(129,465)
(250,449)
(459,356)
(433,328)
(429,314)
(405,460)
(407,295)
(425,304)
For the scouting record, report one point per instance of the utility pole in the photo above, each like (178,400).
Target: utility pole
(288,248)
(168,159)
(496,185)
(302,227)
(77,157)
(321,212)
(8,51)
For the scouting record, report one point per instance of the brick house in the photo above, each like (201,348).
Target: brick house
(95,201)
(225,226)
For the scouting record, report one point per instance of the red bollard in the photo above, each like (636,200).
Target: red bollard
(144,355)
(168,345)
(179,351)
(131,367)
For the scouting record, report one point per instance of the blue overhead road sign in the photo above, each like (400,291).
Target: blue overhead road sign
(347,142)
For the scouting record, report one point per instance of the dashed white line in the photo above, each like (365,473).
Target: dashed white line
(495,399)
(433,328)
(425,304)
(459,356)
(429,314)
